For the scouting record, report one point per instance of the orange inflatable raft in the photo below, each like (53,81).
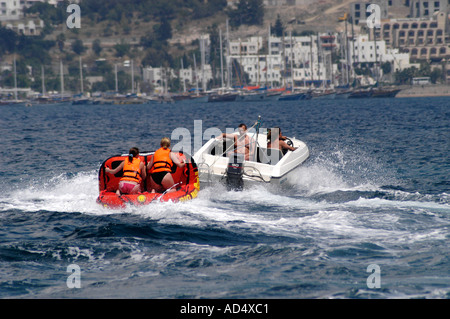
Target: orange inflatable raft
(186,185)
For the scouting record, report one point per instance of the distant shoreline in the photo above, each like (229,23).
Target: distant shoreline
(424,91)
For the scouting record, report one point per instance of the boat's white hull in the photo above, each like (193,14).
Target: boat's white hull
(212,161)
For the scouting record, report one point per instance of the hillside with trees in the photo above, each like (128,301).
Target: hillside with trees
(150,32)
(114,31)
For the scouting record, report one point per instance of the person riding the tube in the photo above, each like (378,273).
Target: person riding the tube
(133,173)
(160,167)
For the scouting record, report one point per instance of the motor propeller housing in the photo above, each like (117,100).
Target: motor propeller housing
(235,172)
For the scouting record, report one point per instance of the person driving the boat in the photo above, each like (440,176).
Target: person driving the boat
(243,144)
(160,167)
(133,173)
(278,143)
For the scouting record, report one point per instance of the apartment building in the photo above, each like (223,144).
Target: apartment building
(158,76)
(359,14)
(363,50)
(423,38)
(27,27)
(311,61)
(12,10)
(251,45)
(427,8)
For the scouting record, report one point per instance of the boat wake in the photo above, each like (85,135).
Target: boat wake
(331,218)
(62,193)
(335,178)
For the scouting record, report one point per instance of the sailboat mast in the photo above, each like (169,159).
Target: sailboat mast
(202,56)
(132,77)
(283,53)
(221,58)
(115,77)
(269,58)
(195,73)
(229,68)
(43,80)
(184,80)
(267,64)
(376,58)
(81,76)
(257,65)
(292,63)
(15,78)
(311,58)
(61,77)
(346,51)
(353,47)
(318,59)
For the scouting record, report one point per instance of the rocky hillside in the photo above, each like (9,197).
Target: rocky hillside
(157,32)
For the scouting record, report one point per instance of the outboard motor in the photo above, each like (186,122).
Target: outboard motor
(235,171)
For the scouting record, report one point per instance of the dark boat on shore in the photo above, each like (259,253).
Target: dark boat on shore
(360,94)
(378,92)
(222,97)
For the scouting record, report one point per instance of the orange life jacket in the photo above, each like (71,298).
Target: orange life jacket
(132,171)
(162,161)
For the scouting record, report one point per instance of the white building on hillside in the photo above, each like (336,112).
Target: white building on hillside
(192,77)
(307,60)
(157,77)
(364,50)
(11,10)
(25,26)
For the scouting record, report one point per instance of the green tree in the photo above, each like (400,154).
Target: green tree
(78,47)
(157,58)
(101,68)
(405,76)
(50,14)
(425,69)
(386,67)
(60,39)
(121,49)
(163,31)
(148,40)
(435,75)
(96,46)
(8,40)
(278,29)
(248,12)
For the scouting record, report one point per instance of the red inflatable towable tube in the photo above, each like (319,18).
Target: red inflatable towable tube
(186,180)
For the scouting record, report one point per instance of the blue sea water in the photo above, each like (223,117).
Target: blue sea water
(375,191)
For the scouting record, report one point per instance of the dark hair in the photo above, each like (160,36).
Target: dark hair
(243,125)
(134,151)
(269,132)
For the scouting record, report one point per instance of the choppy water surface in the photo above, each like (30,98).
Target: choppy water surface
(375,191)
